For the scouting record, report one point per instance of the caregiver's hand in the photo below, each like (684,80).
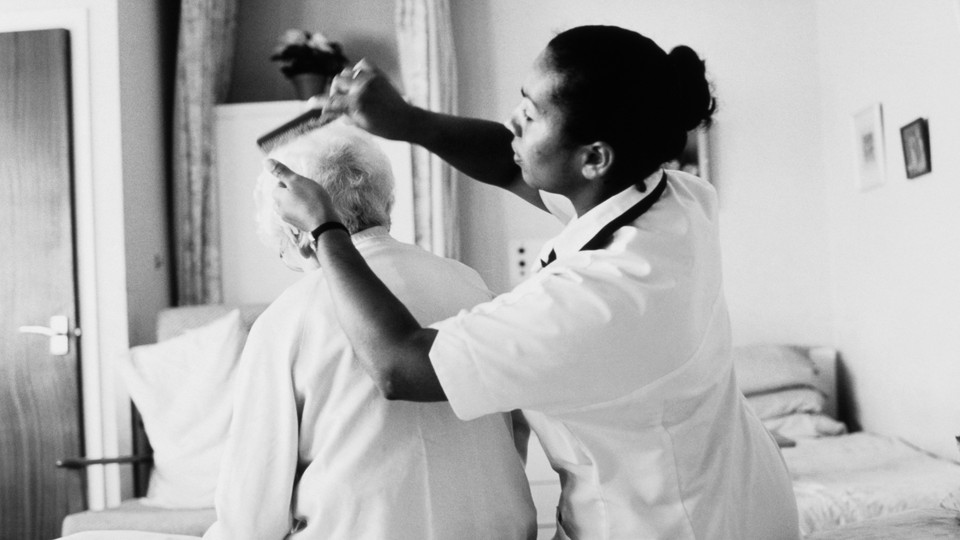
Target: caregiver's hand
(365,96)
(301,202)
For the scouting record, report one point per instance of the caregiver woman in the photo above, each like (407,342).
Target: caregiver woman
(618,350)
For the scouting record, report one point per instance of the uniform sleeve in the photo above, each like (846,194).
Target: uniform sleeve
(256,481)
(563,340)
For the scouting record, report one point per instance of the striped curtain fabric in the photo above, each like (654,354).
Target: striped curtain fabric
(428,69)
(204,58)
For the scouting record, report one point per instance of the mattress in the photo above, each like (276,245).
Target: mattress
(851,478)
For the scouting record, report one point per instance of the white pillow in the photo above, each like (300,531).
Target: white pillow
(183,390)
(789,401)
(805,426)
(763,368)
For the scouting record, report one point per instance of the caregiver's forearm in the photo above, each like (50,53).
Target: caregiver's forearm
(388,340)
(481,149)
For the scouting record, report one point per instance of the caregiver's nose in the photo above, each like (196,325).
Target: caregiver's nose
(512,124)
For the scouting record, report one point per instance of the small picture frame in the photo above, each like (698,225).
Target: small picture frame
(915,137)
(870,149)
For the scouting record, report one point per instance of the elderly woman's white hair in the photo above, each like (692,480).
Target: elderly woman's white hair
(349,164)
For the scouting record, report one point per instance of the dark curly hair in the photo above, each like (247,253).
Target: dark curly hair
(620,87)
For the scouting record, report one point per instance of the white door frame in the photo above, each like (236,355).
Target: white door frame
(98,213)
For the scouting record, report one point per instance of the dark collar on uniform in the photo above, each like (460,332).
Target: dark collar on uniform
(594,229)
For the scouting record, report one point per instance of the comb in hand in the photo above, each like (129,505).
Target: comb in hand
(336,105)
(291,130)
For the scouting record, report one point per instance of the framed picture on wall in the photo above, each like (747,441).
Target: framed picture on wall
(915,137)
(869,144)
(695,158)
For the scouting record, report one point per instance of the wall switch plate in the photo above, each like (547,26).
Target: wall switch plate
(523,259)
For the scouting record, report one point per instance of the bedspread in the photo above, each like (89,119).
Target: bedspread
(851,478)
(923,524)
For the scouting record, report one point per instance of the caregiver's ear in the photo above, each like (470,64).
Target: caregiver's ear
(595,160)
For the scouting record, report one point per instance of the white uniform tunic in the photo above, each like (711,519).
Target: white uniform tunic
(315,449)
(619,358)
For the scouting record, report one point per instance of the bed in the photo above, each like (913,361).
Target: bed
(848,485)
(920,524)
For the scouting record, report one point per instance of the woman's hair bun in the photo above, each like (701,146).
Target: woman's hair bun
(694,104)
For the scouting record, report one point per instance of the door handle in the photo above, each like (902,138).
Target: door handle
(59,333)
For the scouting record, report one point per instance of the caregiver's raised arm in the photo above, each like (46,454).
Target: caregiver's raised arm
(478,148)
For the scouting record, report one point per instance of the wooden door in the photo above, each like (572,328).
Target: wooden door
(39,391)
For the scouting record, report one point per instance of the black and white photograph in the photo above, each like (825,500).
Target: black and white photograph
(915,137)
(871,149)
(479,269)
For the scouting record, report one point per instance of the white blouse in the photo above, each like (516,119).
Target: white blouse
(316,451)
(619,358)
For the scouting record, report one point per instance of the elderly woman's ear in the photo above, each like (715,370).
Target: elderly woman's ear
(305,247)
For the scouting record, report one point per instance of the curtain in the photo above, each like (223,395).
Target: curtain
(204,57)
(428,69)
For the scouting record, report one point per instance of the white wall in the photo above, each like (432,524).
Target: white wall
(145,174)
(896,249)
(145,165)
(762,58)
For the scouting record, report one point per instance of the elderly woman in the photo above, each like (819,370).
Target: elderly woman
(314,450)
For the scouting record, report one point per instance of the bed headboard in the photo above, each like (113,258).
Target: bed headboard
(826,359)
